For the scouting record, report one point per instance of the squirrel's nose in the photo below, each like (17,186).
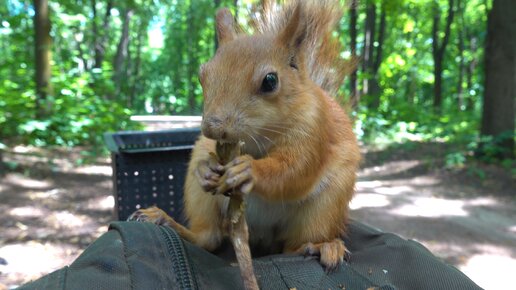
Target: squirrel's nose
(213,128)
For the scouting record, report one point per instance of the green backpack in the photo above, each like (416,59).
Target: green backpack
(134,255)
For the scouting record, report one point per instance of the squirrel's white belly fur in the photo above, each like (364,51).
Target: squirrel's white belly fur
(267,220)
(264,218)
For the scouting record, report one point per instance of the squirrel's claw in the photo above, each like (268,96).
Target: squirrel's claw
(332,254)
(208,173)
(238,176)
(151,215)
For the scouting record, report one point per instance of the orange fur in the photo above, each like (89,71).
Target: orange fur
(301,152)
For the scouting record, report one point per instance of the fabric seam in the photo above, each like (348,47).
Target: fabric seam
(124,246)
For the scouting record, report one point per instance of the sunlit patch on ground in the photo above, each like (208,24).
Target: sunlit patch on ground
(431,207)
(374,194)
(25,182)
(29,260)
(491,271)
(392,167)
(95,169)
(104,203)
(65,219)
(27,211)
(369,200)
(47,194)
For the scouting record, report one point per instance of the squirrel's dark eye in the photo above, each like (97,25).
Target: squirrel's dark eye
(269,83)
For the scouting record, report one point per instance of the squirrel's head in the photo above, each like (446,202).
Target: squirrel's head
(254,84)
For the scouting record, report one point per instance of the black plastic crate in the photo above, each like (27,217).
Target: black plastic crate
(149,169)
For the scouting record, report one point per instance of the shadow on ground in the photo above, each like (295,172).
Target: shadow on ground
(52,210)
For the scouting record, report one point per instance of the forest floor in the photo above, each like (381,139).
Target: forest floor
(53,209)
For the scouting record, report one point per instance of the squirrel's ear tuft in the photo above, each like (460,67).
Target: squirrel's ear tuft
(225,26)
(293,35)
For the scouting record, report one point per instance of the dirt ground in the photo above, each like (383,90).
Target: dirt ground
(53,209)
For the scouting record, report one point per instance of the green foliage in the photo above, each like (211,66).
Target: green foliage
(402,123)
(168,40)
(491,149)
(455,160)
(476,172)
(79,107)
(171,73)
(77,115)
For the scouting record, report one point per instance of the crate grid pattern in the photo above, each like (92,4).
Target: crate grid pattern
(150,179)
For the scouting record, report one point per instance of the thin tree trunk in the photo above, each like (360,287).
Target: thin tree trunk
(374,86)
(460,88)
(137,66)
(499,103)
(79,40)
(370,25)
(355,96)
(122,50)
(381,38)
(43,55)
(100,39)
(411,86)
(472,66)
(437,59)
(462,66)
(438,50)
(94,29)
(235,4)
(2,167)
(192,63)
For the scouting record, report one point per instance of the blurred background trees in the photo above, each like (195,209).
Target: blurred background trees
(72,70)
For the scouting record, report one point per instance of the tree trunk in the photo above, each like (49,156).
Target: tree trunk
(461,46)
(94,30)
(381,37)
(369,34)
(43,55)
(2,167)
(498,114)
(472,67)
(374,85)
(439,50)
(438,88)
(122,50)
(235,4)
(100,40)
(193,60)
(137,66)
(355,96)
(460,89)
(78,41)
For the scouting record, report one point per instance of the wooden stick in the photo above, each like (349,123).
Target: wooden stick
(238,230)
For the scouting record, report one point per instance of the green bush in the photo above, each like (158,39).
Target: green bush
(77,114)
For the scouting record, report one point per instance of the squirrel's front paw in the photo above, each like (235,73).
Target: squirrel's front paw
(151,215)
(208,173)
(238,176)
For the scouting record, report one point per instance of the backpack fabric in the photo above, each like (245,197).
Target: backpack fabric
(134,255)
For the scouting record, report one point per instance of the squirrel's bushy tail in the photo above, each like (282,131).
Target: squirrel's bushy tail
(325,65)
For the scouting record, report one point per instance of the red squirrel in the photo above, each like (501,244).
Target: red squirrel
(273,91)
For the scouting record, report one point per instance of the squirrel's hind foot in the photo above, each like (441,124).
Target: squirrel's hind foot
(331,254)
